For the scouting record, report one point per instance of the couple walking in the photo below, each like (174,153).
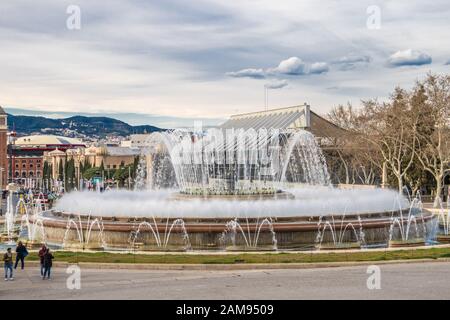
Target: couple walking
(46,259)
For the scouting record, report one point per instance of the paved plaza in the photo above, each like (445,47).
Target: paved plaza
(398,281)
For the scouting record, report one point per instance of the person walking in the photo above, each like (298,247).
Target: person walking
(48,262)
(21,253)
(8,260)
(41,254)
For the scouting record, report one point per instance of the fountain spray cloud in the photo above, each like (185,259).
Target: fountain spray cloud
(308,201)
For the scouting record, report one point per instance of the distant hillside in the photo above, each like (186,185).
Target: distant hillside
(75,126)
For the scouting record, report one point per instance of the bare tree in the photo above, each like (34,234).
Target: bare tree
(391,128)
(359,160)
(409,135)
(434,137)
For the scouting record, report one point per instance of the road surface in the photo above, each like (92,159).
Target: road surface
(398,281)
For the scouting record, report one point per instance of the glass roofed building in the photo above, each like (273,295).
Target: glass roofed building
(289,118)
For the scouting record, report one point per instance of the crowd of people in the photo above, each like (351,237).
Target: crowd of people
(45,256)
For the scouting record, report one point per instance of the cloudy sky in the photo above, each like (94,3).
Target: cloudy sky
(166,62)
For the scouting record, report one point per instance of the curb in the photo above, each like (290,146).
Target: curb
(225,253)
(231,267)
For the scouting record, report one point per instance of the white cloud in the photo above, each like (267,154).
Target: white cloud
(276,84)
(351,61)
(319,67)
(408,57)
(290,66)
(248,73)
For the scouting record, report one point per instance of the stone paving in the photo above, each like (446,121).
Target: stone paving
(424,280)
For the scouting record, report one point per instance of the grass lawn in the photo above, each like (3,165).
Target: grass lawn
(106,257)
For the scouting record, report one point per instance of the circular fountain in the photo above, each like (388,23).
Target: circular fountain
(231,190)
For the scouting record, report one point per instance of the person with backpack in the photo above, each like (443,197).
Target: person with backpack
(21,253)
(48,262)
(8,260)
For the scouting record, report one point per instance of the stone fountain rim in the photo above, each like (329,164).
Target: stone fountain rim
(218,225)
(325,217)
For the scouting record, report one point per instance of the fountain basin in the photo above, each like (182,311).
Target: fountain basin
(443,238)
(417,242)
(6,238)
(282,233)
(341,246)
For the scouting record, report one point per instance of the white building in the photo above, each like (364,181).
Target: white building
(136,141)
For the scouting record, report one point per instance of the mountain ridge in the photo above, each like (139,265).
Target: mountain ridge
(75,126)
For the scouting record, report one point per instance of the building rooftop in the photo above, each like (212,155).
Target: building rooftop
(283,118)
(47,140)
(296,117)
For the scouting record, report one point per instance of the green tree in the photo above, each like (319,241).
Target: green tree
(70,174)
(91,172)
(61,170)
(45,170)
(86,166)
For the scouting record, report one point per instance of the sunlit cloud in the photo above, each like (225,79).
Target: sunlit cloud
(292,66)
(408,58)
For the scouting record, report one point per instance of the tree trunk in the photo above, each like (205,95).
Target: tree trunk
(384,175)
(400,184)
(438,199)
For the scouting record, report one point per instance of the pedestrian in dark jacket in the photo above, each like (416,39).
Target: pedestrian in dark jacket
(8,260)
(22,252)
(48,262)
(41,258)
